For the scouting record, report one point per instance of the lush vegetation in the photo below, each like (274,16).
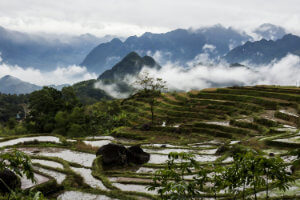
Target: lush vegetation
(248,174)
(20,164)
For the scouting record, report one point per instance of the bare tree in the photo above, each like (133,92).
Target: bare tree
(150,88)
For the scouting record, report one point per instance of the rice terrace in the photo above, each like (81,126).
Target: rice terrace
(212,125)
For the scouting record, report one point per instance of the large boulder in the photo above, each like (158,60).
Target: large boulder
(113,155)
(10,179)
(118,155)
(137,156)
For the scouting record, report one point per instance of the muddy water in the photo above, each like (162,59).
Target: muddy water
(48,163)
(26,183)
(228,160)
(88,178)
(220,123)
(290,140)
(167,151)
(288,113)
(84,159)
(100,138)
(29,139)
(160,159)
(275,151)
(97,143)
(134,188)
(161,146)
(146,170)
(59,177)
(294,190)
(289,159)
(76,195)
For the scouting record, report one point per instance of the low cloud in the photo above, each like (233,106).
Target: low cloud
(204,72)
(61,75)
(111,89)
(283,72)
(209,47)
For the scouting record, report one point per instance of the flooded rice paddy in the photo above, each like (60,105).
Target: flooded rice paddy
(81,162)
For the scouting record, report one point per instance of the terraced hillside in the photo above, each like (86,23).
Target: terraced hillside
(262,118)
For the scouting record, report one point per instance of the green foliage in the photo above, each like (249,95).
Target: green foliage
(12,122)
(286,117)
(248,169)
(265,122)
(75,130)
(267,104)
(170,181)
(18,162)
(11,106)
(257,93)
(249,125)
(44,106)
(88,94)
(107,115)
(19,195)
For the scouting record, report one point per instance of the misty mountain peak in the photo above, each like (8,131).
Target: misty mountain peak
(131,64)
(12,85)
(116,41)
(270,31)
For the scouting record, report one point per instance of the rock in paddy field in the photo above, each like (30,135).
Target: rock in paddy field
(10,179)
(118,155)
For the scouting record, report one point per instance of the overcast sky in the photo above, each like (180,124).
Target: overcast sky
(129,17)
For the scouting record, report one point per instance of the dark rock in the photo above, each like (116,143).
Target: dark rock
(177,130)
(146,127)
(113,155)
(118,155)
(137,156)
(10,179)
(271,154)
(293,169)
(222,149)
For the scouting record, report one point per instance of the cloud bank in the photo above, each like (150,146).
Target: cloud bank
(111,89)
(283,72)
(210,73)
(61,75)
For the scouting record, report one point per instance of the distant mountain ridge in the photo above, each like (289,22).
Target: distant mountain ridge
(45,52)
(179,45)
(12,85)
(265,51)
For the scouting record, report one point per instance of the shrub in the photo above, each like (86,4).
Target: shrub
(76,130)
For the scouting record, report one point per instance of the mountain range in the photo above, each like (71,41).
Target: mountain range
(12,85)
(179,46)
(265,51)
(45,52)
